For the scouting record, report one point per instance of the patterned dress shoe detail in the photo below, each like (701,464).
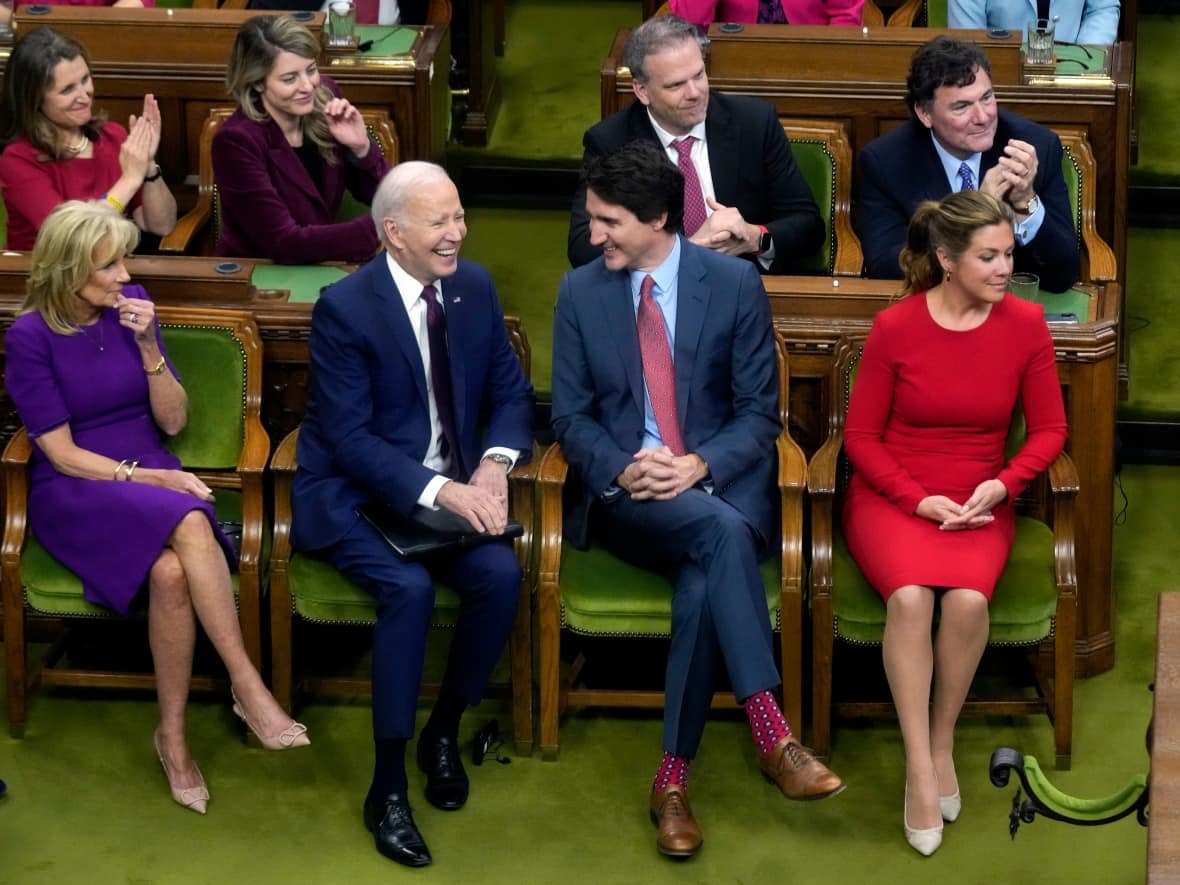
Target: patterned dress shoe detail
(391,822)
(446,781)
(679,835)
(798,773)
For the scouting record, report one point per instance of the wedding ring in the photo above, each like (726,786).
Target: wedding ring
(134,318)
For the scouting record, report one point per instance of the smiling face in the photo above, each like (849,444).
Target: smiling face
(68,103)
(105,283)
(288,92)
(963,118)
(426,240)
(981,273)
(626,242)
(677,89)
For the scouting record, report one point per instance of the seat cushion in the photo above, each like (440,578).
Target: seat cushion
(321,594)
(1022,610)
(52,589)
(601,595)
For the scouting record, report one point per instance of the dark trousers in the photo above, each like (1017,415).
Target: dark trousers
(718,601)
(487,579)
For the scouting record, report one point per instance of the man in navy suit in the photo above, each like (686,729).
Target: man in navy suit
(417,401)
(958,139)
(665,403)
(757,202)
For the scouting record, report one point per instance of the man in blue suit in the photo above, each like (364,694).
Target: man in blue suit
(956,139)
(665,402)
(417,401)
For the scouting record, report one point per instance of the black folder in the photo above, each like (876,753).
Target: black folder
(429,532)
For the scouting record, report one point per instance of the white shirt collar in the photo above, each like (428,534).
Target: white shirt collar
(666,138)
(408,288)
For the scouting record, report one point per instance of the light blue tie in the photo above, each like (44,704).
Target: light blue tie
(966,177)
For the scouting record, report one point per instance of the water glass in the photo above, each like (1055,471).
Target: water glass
(1024,285)
(341,23)
(1040,43)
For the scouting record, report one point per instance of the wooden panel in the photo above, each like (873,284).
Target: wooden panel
(1163,827)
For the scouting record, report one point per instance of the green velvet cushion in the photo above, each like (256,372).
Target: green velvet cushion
(819,168)
(1073,184)
(1023,606)
(936,13)
(1082,810)
(602,595)
(212,365)
(320,593)
(53,589)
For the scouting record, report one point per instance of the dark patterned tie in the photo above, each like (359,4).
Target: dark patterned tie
(770,12)
(694,200)
(658,370)
(440,379)
(965,176)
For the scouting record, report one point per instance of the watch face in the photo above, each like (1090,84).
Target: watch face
(764,241)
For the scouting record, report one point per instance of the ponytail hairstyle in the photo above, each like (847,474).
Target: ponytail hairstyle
(947,224)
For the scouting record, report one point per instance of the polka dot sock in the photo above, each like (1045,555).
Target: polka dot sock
(766,721)
(673,770)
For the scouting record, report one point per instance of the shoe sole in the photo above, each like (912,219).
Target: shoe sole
(813,798)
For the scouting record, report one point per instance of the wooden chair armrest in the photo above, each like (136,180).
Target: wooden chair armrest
(821,472)
(255,449)
(1063,476)
(871,15)
(1063,480)
(551,476)
(282,467)
(850,259)
(522,491)
(1099,264)
(188,226)
(15,459)
(792,479)
(905,15)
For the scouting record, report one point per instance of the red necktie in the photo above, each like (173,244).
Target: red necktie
(440,378)
(367,11)
(694,200)
(658,371)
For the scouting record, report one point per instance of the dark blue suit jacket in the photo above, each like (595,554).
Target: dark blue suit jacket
(901,169)
(367,425)
(752,167)
(726,380)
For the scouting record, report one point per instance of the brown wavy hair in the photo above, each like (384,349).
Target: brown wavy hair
(947,224)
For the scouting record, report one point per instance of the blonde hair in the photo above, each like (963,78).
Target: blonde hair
(69,248)
(257,45)
(947,224)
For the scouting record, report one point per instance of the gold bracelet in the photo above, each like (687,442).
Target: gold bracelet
(114,201)
(131,470)
(119,467)
(158,370)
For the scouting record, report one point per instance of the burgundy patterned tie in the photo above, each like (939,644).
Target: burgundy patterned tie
(694,200)
(770,12)
(658,371)
(440,378)
(367,11)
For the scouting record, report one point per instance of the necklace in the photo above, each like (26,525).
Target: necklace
(101,333)
(78,146)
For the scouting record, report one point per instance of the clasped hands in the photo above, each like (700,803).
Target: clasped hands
(726,231)
(1011,179)
(483,501)
(975,513)
(659,475)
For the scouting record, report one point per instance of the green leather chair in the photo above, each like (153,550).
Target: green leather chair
(920,14)
(824,155)
(312,591)
(593,593)
(1035,603)
(200,227)
(218,354)
(1098,264)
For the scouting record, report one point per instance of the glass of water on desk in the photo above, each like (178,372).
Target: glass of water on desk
(341,23)
(1040,43)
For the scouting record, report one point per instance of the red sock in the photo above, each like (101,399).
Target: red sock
(673,770)
(766,721)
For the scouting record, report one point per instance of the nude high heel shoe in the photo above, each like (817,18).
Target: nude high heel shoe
(926,841)
(294,735)
(192,798)
(950,806)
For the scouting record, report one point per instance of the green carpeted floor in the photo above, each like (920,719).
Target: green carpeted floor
(1153,309)
(1157,95)
(88,802)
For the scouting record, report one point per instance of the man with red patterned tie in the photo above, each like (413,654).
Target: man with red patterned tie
(744,194)
(665,403)
(417,401)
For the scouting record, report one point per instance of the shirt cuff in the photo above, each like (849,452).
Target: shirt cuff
(430,493)
(766,259)
(1027,229)
(514,454)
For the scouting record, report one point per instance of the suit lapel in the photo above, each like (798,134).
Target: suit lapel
(392,311)
(722,139)
(284,159)
(619,309)
(456,313)
(692,302)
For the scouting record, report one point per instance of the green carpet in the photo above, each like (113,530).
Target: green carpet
(1157,95)
(1153,307)
(87,801)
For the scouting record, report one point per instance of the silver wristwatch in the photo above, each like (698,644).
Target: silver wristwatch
(499,459)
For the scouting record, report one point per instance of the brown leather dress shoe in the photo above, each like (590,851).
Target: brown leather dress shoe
(679,834)
(798,773)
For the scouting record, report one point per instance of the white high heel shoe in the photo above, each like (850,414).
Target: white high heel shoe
(950,806)
(926,841)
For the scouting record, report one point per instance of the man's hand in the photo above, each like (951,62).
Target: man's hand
(1013,175)
(492,477)
(726,231)
(478,506)
(658,475)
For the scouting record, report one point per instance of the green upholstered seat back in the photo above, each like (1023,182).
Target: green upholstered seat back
(818,166)
(936,13)
(1074,183)
(212,364)
(601,595)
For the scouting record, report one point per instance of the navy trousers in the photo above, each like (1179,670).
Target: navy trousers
(487,579)
(718,603)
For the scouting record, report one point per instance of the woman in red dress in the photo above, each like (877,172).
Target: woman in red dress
(57,148)
(928,516)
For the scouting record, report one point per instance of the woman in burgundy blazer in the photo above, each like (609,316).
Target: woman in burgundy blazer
(798,12)
(283,161)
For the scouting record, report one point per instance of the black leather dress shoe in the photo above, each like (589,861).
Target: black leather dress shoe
(394,830)
(446,781)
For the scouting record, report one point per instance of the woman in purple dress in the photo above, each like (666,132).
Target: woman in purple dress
(89,376)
